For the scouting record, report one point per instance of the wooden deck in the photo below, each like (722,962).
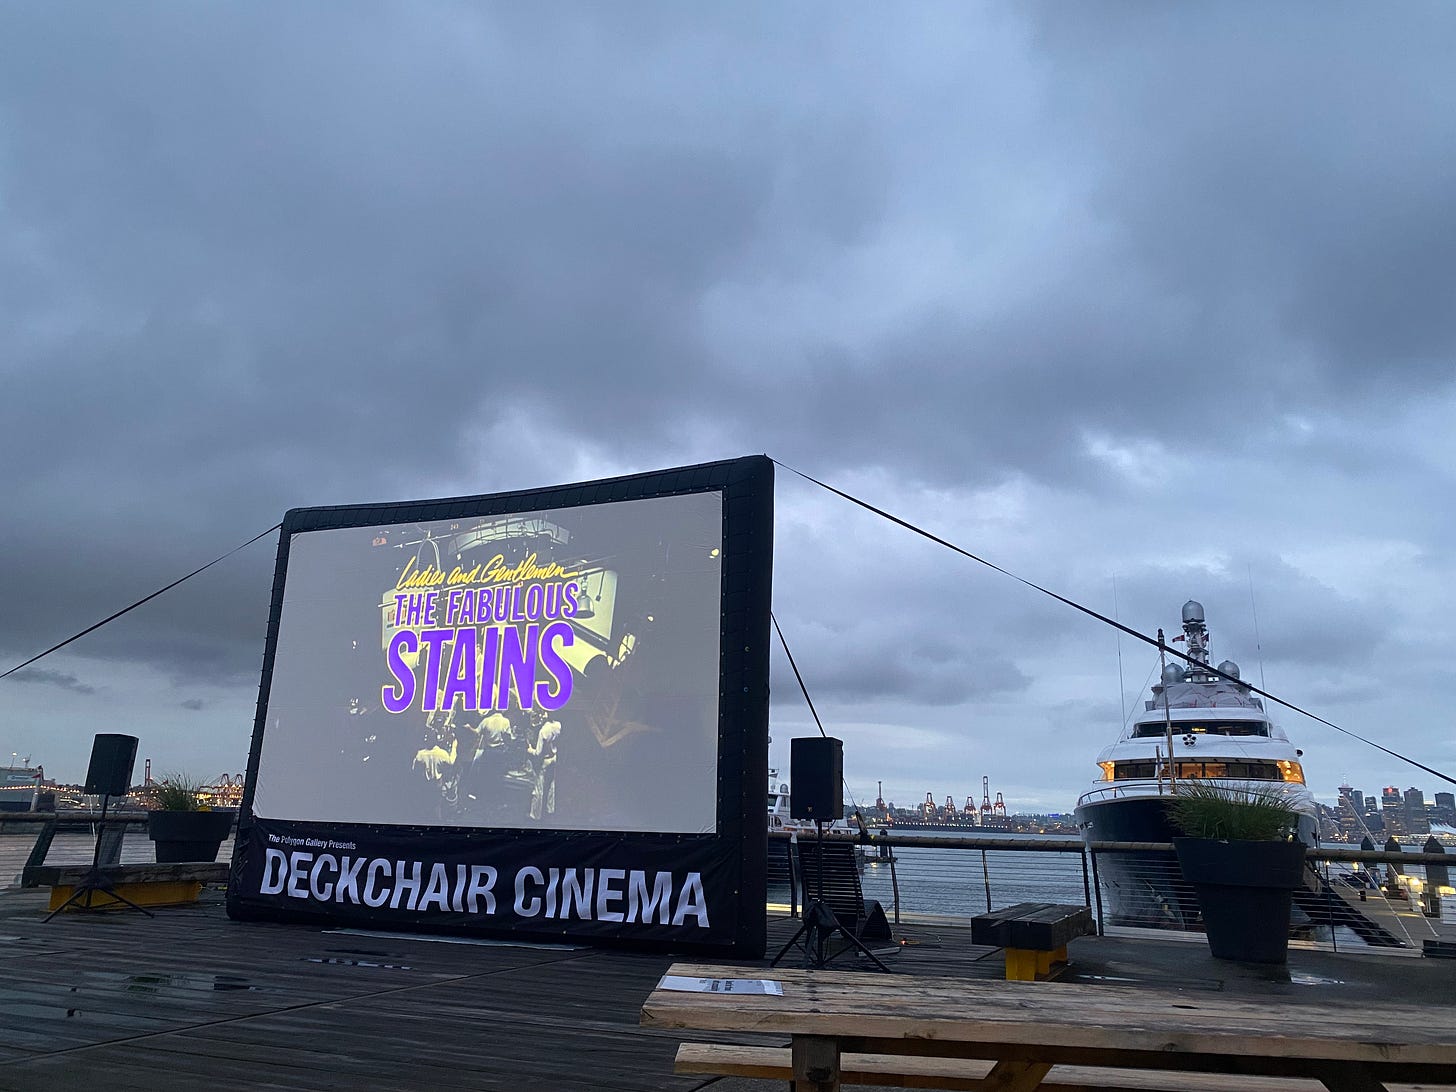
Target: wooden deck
(191,1000)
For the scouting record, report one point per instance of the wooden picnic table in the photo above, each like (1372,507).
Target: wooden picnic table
(1026,1028)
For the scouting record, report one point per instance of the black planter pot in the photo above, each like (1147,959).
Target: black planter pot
(1244,890)
(188,835)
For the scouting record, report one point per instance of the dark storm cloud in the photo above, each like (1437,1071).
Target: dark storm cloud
(891,664)
(261,274)
(437,225)
(927,674)
(873,613)
(1262,227)
(1310,622)
(1289,169)
(59,679)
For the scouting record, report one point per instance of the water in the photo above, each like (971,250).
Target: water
(966,882)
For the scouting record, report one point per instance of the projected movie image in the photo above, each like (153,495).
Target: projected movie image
(555,670)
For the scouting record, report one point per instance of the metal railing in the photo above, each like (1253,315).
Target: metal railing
(1351,898)
(32,839)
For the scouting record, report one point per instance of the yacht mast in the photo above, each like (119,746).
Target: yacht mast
(1168,673)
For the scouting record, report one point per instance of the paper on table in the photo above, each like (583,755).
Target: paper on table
(721,985)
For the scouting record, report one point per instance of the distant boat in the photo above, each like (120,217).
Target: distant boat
(18,787)
(782,821)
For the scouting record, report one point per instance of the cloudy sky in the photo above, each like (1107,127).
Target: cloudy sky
(1153,298)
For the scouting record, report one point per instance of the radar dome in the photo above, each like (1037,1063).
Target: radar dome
(1172,674)
(1192,611)
(1228,667)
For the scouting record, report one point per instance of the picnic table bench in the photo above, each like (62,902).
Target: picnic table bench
(1034,934)
(1019,1036)
(965,1075)
(143,884)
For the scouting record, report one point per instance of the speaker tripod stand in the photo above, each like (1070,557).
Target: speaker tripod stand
(95,879)
(821,924)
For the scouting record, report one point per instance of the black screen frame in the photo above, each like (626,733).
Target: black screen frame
(738,847)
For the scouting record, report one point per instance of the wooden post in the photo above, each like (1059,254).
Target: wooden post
(1010,1076)
(42,844)
(816,1063)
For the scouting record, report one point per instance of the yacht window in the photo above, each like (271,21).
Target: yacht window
(1124,770)
(1255,771)
(1188,770)
(1242,728)
(1153,729)
(1239,771)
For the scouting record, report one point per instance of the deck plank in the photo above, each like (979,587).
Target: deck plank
(190,999)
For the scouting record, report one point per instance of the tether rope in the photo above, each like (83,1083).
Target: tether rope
(139,602)
(1161,646)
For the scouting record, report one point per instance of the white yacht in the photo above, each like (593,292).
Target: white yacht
(19,786)
(1197,725)
(780,819)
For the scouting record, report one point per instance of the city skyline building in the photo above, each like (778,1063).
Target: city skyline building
(1392,810)
(1416,819)
(1445,809)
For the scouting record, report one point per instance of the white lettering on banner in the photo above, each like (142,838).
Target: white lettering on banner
(298,874)
(438,890)
(349,880)
(273,884)
(322,891)
(576,888)
(375,868)
(482,880)
(590,894)
(403,883)
(607,894)
(687,904)
(526,909)
(641,903)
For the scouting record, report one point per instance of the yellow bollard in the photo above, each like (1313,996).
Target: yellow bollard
(1020,965)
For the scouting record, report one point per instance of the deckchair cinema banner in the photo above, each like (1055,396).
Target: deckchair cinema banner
(541,714)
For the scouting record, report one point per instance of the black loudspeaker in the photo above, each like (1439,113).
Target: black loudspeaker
(816,773)
(112,758)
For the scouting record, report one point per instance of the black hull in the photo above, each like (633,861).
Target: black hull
(1143,888)
(1128,819)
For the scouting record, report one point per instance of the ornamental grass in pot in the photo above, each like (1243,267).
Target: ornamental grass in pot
(182,826)
(1240,856)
